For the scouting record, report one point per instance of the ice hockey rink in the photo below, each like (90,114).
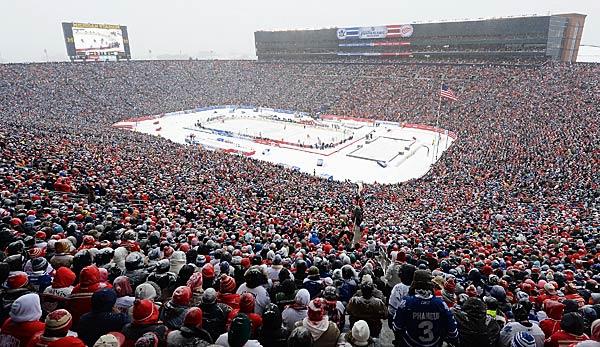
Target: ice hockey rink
(329,146)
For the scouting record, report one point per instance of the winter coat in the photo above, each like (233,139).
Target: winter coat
(8,297)
(101,319)
(232,300)
(222,341)
(371,310)
(273,338)
(563,338)
(324,333)
(136,277)
(80,300)
(172,315)
(475,327)
(261,295)
(214,318)
(297,311)
(550,325)
(19,334)
(55,296)
(133,332)
(513,328)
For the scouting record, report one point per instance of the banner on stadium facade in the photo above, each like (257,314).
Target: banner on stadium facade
(376,32)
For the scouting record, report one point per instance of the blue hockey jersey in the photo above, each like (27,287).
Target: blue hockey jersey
(424,322)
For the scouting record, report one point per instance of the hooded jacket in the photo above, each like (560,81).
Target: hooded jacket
(149,323)
(101,319)
(554,310)
(80,300)
(371,310)
(173,314)
(55,296)
(23,323)
(475,327)
(296,311)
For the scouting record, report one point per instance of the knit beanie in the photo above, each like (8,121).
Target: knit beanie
(144,312)
(316,310)
(113,339)
(58,323)
(18,279)
(360,334)
(193,318)
(145,291)
(227,285)
(239,331)
(208,271)
(182,296)
(209,296)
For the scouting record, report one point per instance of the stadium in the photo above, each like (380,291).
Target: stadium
(421,184)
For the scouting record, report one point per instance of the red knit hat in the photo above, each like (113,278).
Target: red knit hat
(247,303)
(193,318)
(208,271)
(144,312)
(17,280)
(182,295)
(227,284)
(59,321)
(316,310)
(245,263)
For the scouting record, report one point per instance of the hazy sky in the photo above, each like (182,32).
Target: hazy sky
(226,27)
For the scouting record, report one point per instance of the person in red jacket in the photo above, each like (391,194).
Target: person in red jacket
(24,322)
(571,293)
(571,331)
(550,293)
(554,310)
(55,333)
(227,294)
(145,319)
(80,300)
(55,296)
(247,303)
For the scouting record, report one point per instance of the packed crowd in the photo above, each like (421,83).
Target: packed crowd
(115,238)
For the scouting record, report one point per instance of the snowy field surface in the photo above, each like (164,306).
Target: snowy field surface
(331,147)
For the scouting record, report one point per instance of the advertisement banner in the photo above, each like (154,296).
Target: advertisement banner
(375,32)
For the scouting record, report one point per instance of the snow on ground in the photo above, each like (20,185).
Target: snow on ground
(350,149)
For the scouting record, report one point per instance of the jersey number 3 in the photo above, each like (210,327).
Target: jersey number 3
(427,327)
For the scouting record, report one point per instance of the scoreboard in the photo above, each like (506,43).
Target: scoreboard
(89,41)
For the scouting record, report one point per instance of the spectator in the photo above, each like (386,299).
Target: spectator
(23,323)
(191,332)
(475,327)
(102,318)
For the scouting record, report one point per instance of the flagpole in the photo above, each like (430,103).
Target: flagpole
(437,120)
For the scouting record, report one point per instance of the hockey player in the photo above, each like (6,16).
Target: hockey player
(423,319)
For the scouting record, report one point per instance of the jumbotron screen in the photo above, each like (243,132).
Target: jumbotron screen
(88,41)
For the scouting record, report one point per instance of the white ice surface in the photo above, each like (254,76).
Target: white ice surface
(336,162)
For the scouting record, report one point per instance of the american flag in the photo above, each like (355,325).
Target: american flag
(447,93)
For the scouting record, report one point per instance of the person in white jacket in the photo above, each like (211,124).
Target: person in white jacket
(254,278)
(297,311)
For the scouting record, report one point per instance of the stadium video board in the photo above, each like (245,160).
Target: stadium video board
(88,41)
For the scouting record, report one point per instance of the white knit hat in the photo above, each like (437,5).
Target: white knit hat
(360,333)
